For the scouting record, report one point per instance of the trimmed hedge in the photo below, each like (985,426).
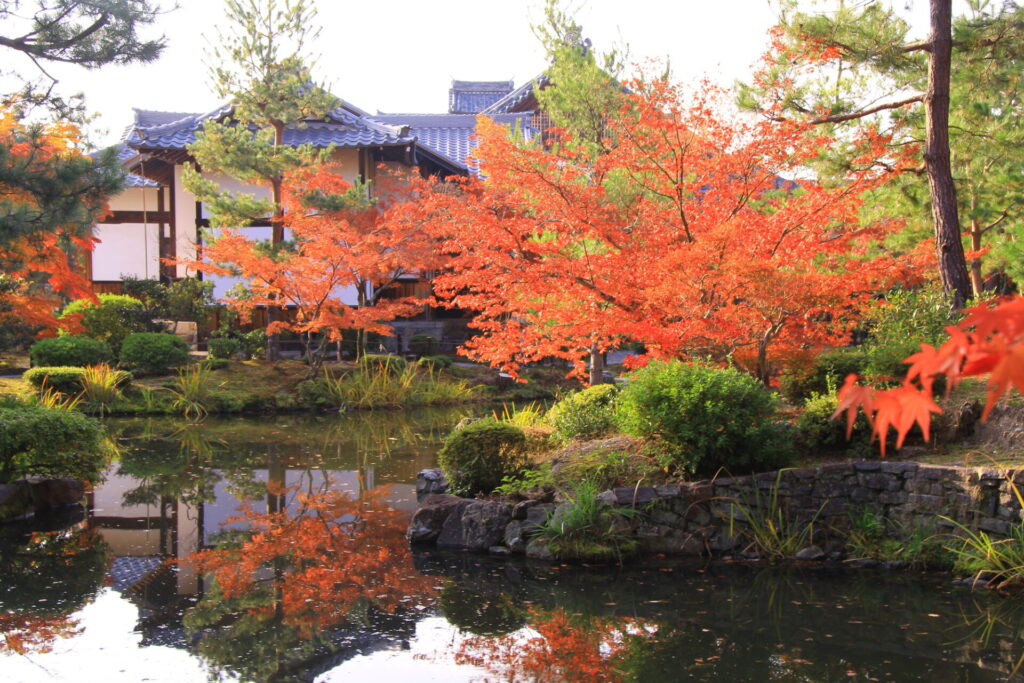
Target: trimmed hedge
(65,379)
(711,418)
(112,319)
(153,353)
(223,347)
(73,351)
(47,442)
(476,457)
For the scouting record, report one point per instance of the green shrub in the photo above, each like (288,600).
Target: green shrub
(816,430)
(587,529)
(153,353)
(112,319)
(396,365)
(436,362)
(712,418)
(74,351)
(43,442)
(825,374)
(586,414)
(223,347)
(422,344)
(67,380)
(478,456)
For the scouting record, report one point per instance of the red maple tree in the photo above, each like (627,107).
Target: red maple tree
(340,240)
(683,236)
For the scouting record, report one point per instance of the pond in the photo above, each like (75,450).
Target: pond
(313,586)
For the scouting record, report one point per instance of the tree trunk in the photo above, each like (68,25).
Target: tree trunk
(276,237)
(596,366)
(952,265)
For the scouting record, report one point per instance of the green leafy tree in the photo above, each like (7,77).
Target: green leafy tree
(261,67)
(856,64)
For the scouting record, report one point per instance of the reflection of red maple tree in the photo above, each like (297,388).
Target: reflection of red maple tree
(25,633)
(321,559)
(563,649)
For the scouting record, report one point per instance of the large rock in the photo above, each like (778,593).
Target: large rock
(429,482)
(56,492)
(426,524)
(478,525)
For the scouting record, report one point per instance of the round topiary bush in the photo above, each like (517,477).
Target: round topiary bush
(48,442)
(153,353)
(586,414)
(476,457)
(711,418)
(73,351)
(422,344)
(67,380)
(816,430)
(112,319)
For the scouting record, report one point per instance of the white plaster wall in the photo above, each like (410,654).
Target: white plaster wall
(126,249)
(135,199)
(184,223)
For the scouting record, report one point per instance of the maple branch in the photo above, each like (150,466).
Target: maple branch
(838,118)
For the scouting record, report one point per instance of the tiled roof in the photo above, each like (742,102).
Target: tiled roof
(449,135)
(470,97)
(343,127)
(124,153)
(511,101)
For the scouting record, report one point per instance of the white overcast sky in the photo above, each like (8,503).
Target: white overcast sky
(401,55)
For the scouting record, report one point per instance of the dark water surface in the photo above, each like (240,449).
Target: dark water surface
(312,586)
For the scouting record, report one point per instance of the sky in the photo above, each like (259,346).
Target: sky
(401,55)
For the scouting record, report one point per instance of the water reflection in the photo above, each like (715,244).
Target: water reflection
(307,584)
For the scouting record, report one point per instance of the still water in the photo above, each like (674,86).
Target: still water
(312,585)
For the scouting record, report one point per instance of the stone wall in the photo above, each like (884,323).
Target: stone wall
(710,517)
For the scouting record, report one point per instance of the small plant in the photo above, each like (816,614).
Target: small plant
(1000,562)
(191,391)
(816,430)
(101,386)
(587,529)
(73,351)
(526,480)
(375,362)
(67,380)
(153,353)
(436,362)
(477,457)
(868,537)
(150,398)
(772,531)
(520,415)
(55,400)
(586,414)
(712,418)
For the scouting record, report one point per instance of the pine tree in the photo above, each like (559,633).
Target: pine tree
(260,66)
(858,64)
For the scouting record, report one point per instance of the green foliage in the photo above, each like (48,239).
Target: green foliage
(393,364)
(223,347)
(816,430)
(587,529)
(42,442)
(185,299)
(477,457)
(586,414)
(770,527)
(421,344)
(112,319)
(526,480)
(65,379)
(1000,562)
(101,387)
(869,537)
(192,391)
(75,351)
(436,362)
(153,353)
(608,469)
(379,386)
(823,375)
(712,418)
